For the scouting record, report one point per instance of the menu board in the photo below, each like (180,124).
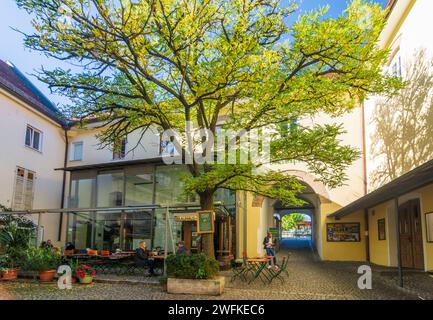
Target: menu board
(205,222)
(343,232)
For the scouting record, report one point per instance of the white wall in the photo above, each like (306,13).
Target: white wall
(14,118)
(413,34)
(93,154)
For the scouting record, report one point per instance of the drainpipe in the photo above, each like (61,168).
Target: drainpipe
(245,226)
(367,235)
(364,149)
(65,164)
(400,268)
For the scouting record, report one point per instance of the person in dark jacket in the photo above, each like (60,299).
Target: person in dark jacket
(269,244)
(181,249)
(143,258)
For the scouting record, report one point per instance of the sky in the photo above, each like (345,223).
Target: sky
(13,49)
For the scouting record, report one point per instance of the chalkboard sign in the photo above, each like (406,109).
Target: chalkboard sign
(205,222)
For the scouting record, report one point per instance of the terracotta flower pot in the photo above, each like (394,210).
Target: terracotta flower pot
(86,280)
(47,276)
(10,274)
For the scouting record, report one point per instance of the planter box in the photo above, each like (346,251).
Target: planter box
(210,287)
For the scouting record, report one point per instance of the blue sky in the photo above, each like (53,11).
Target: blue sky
(14,51)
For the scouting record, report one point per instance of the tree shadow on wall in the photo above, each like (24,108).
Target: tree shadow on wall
(403,136)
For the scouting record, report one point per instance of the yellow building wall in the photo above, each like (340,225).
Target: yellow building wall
(426,207)
(253,226)
(378,249)
(342,251)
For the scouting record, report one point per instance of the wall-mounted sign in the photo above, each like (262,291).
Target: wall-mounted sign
(343,232)
(205,222)
(429,225)
(190,217)
(275,232)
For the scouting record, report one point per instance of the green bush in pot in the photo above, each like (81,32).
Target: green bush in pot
(195,266)
(45,261)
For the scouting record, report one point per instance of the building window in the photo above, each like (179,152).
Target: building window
(77,151)
(33,138)
(396,67)
(24,189)
(119,150)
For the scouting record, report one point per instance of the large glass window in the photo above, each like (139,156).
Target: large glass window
(169,185)
(110,189)
(107,231)
(82,186)
(139,186)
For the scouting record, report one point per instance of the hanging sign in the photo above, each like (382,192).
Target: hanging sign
(205,222)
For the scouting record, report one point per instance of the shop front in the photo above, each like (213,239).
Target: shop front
(128,205)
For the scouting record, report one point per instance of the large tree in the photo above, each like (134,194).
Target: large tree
(254,63)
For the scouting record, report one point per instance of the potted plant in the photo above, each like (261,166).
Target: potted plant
(8,268)
(15,237)
(85,274)
(45,261)
(194,274)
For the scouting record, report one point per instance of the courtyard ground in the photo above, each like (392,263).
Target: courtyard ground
(310,279)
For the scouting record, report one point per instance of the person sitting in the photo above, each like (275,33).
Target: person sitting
(69,246)
(181,249)
(142,257)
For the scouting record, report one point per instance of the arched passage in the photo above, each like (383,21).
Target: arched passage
(303,232)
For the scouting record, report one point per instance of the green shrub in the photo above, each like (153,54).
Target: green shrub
(16,234)
(39,259)
(195,266)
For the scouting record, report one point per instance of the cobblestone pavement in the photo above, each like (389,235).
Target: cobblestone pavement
(309,279)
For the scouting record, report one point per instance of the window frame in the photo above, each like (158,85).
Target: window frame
(73,145)
(32,137)
(119,150)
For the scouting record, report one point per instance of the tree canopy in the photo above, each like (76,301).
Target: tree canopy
(242,64)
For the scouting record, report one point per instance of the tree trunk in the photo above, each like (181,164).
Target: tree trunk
(206,203)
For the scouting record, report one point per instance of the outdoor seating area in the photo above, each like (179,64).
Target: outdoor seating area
(249,270)
(119,262)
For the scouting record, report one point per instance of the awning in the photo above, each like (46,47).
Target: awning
(415,179)
(114,164)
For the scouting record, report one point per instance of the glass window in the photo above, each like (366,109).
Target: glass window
(33,138)
(119,150)
(107,231)
(80,229)
(169,185)
(137,227)
(110,189)
(139,186)
(82,186)
(77,151)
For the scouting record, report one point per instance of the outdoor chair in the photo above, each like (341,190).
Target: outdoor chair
(238,270)
(272,274)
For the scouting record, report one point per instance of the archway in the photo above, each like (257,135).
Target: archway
(298,224)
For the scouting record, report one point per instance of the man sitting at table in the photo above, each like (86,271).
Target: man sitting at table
(143,258)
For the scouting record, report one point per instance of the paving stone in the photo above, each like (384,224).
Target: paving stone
(309,279)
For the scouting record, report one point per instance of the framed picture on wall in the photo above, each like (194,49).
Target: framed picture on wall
(429,226)
(381,229)
(343,232)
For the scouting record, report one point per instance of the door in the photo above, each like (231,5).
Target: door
(411,243)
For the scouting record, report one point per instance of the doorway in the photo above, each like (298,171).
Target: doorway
(411,242)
